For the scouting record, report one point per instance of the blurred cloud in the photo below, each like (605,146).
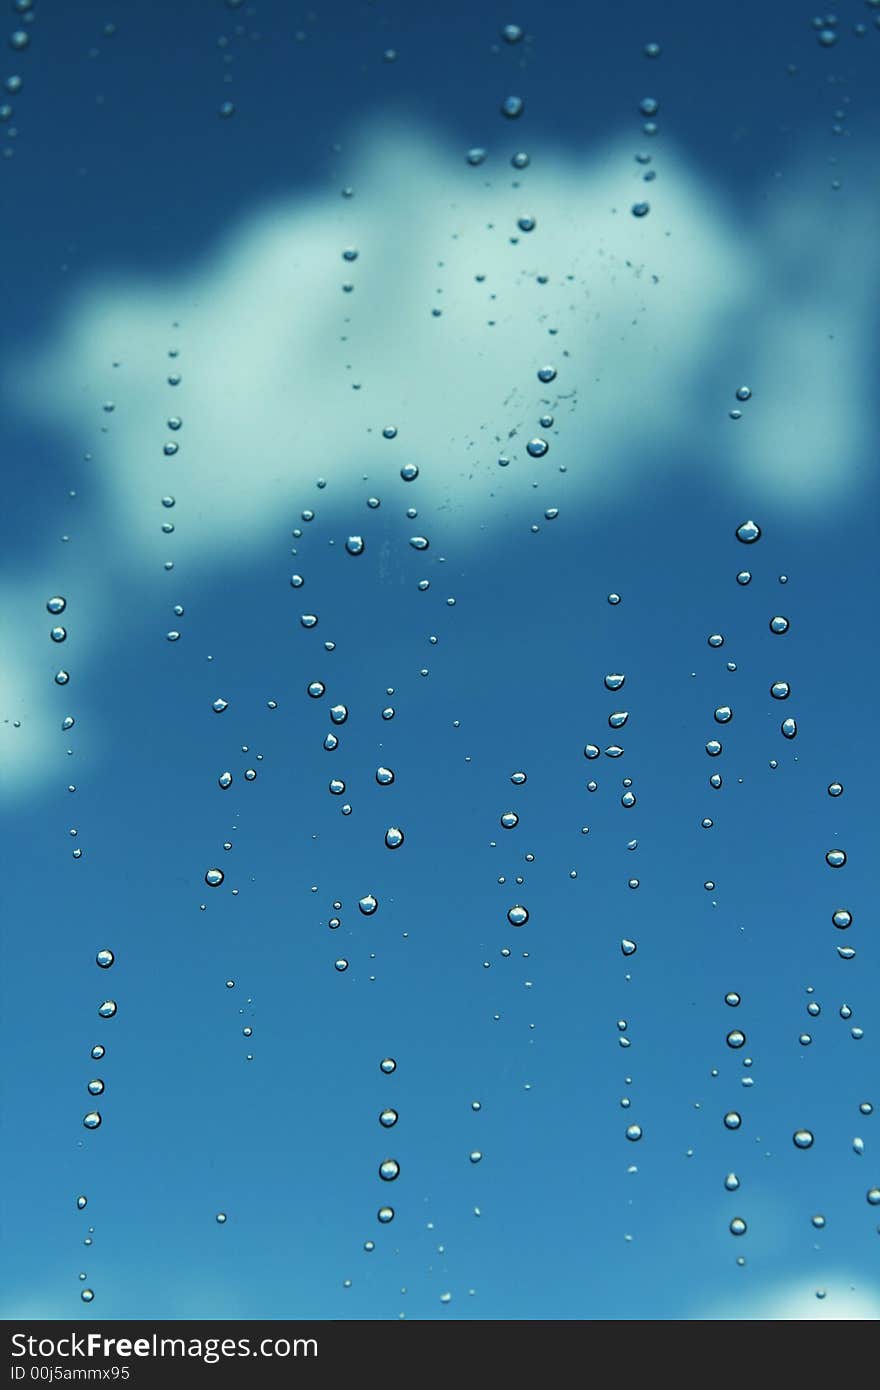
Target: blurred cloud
(798,1300)
(286,377)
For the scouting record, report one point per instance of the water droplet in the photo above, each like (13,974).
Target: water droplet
(87,1295)
(384,776)
(789,728)
(780,690)
(715,639)
(640,209)
(744,393)
(779,624)
(628,947)
(836,858)
(748,531)
(368,904)
(738,1227)
(736,1038)
(341,965)
(518,778)
(744,577)
(92,1120)
(633,1133)
(214,877)
(618,718)
(385,1214)
(105,959)
(802,1139)
(873,1196)
(81,1202)
(394,837)
(224,780)
(388,1065)
(409,472)
(835,788)
(338,714)
(475,1156)
(62,677)
(511,33)
(219,706)
(731,1182)
(537,448)
(388,1118)
(389,1169)
(733,999)
(732,1120)
(723,714)
(509,820)
(107,1009)
(517,915)
(512,107)
(614,681)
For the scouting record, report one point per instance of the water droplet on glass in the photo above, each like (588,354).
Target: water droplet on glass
(388,1118)
(836,858)
(748,531)
(388,1065)
(779,624)
(394,837)
(517,915)
(214,877)
(92,1119)
(105,959)
(368,904)
(802,1139)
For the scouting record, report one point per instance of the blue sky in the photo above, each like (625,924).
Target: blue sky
(148,225)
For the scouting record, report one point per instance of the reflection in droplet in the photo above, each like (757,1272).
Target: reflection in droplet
(748,531)
(836,858)
(803,1139)
(779,624)
(517,915)
(92,1119)
(214,877)
(388,1118)
(389,1170)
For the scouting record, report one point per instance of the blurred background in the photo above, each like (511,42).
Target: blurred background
(380,386)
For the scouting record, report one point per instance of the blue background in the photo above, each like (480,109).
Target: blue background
(122,168)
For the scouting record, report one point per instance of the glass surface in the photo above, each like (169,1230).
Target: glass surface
(390,402)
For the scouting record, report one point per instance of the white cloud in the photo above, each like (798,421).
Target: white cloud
(653,317)
(845,1299)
